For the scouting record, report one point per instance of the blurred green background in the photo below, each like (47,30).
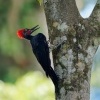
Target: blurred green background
(21,77)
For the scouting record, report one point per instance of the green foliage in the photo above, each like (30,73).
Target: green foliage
(28,6)
(32,86)
(40,2)
(27,12)
(95,81)
(15,55)
(9,45)
(4,8)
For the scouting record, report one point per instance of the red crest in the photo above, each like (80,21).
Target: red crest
(20,33)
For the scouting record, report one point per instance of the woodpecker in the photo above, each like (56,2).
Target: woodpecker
(40,49)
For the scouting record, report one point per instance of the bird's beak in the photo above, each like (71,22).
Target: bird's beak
(34,28)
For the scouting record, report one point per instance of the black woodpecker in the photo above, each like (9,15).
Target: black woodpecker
(40,49)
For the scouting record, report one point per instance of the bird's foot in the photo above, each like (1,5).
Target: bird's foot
(57,43)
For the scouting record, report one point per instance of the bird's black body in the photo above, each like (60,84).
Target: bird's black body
(41,50)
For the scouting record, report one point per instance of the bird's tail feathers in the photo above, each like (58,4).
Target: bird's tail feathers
(54,78)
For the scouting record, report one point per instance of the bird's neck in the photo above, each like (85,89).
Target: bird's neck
(29,37)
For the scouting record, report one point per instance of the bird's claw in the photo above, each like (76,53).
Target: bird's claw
(53,47)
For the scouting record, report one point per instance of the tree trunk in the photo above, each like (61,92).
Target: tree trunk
(73,60)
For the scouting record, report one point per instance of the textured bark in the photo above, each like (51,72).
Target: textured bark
(72,61)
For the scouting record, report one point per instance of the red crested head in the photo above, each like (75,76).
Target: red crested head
(25,33)
(20,33)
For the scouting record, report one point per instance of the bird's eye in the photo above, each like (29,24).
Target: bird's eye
(25,32)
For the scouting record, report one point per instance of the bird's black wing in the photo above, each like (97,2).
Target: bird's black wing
(41,51)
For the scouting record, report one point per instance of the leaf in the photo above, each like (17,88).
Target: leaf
(40,2)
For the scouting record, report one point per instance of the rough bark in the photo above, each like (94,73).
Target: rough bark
(73,60)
